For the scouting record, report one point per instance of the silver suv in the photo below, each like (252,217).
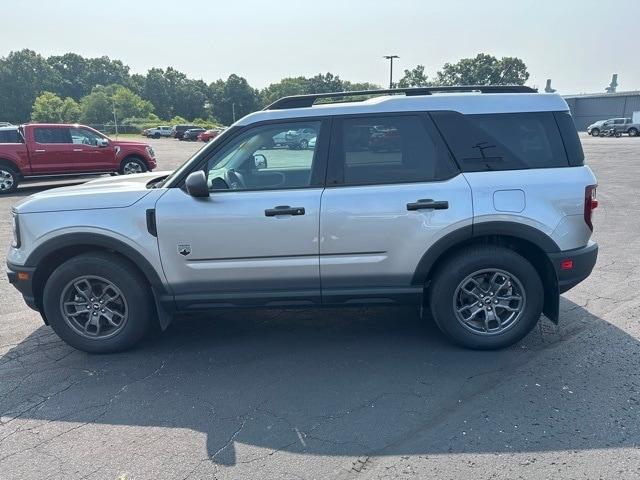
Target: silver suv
(475,205)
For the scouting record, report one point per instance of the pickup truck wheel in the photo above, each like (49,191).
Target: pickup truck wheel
(132,165)
(633,132)
(486,297)
(96,302)
(9,179)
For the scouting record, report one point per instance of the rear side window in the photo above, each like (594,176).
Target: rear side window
(387,149)
(10,136)
(52,135)
(569,134)
(505,141)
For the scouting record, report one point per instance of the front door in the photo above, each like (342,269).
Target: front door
(89,155)
(392,192)
(254,241)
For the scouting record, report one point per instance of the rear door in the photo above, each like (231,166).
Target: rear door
(52,150)
(392,192)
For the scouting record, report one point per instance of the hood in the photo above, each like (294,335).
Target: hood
(107,192)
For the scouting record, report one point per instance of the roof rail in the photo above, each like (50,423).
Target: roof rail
(300,101)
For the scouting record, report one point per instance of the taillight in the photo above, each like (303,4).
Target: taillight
(590,203)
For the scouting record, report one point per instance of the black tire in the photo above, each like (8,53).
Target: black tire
(304,144)
(633,132)
(126,165)
(156,135)
(120,273)
(595,132)
(467,262)
(9,178)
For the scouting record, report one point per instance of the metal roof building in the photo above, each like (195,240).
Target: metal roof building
(589,107)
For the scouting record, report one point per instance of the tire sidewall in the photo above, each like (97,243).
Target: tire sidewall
(130,283)
(447,280)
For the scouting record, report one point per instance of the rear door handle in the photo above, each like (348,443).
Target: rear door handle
(77,150)
(284,210)
(40,151)
(427,203)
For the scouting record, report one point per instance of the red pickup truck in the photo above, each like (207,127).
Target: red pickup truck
(43,150)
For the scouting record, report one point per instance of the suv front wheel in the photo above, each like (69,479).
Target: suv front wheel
(486,297)
(96,302)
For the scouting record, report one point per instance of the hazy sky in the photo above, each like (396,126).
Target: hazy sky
(577,43)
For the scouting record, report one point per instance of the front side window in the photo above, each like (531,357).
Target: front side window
(84,137)
(47,135)
(387,149)
(267,157)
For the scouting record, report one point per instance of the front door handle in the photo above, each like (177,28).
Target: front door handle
(427,203)
(284,210)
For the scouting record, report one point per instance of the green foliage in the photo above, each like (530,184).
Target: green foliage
(484,69)
(99,105)
(50,108)
(233,99)
(414,78)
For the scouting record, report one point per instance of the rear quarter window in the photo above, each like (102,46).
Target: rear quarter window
(505,141)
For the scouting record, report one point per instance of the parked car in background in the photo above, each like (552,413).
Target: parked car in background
(192,134)
(178,130)
(5,124)
(209,134)
(621,125)
(43,150)
(299,138)
(157,132)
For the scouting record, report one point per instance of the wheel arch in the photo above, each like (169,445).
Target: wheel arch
(54,252)
(525,240)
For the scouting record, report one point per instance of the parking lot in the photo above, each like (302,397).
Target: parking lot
(340,394)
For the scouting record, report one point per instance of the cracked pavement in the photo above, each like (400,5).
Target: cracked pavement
(341,394)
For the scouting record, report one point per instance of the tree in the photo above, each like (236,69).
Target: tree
(96,108)
(414,78)
(23,76)
(130,105)
(48,107)
(284,88)
(484,69)
(232,99)
(325,83)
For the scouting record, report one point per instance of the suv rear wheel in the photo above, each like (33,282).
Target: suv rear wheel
(486,297)
(96,302)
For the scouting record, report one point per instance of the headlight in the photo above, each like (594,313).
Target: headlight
(16,231)
(151,153)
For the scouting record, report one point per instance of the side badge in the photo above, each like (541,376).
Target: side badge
(184,249)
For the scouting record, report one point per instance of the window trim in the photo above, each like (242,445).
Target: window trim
(318,166)
(335,168)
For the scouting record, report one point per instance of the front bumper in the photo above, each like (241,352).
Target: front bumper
(581,262)
(22,279)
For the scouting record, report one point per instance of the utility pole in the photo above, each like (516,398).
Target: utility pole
(115,118)
(390,58)
(233,111)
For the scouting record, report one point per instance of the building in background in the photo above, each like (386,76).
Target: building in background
(587,108)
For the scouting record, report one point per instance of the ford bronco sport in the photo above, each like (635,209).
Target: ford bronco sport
(473,202)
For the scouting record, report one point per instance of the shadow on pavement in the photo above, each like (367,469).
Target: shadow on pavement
(339,382)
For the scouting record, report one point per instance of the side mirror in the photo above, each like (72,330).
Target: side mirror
(259,160)
(196,184)
(102,142)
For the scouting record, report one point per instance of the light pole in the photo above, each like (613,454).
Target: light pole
(115,118)
(390,58)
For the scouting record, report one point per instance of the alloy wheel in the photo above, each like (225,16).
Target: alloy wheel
(131,168)
(489,301)
(94,307)
(6,180)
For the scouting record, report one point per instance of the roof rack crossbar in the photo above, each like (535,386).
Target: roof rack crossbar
(301,101)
